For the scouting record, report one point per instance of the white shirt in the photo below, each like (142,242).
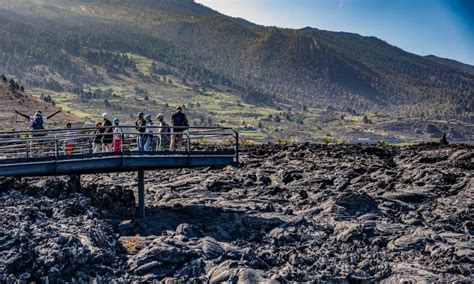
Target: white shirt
(118,133)
(150,129)
(70,136)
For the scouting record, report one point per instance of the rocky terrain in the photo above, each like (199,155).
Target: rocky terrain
(289,213)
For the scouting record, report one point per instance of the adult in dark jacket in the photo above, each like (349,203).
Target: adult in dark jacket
(108,136)
(180,123)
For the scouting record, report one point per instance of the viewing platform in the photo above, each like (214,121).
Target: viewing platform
(71,152)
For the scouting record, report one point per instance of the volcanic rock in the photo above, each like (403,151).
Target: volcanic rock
(289,213)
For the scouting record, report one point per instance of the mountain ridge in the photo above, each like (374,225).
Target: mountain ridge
(452,63)
(265,64)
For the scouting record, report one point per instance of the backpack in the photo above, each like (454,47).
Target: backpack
(37,123)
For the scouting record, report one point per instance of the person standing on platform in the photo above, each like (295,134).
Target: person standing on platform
(98,137)
(180,124)
(140,124)
(150,130)
(108,137)
(118,133)
(69,141)
(164,132)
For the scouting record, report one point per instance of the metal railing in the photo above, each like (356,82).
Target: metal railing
(118,140)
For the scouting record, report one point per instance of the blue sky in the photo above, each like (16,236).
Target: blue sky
(444,28)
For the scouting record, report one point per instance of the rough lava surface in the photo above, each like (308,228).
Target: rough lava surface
(289,213)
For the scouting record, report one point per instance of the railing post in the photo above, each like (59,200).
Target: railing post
(188,144)
(91,146)
(237,147)
(122,140)
(56,150)
(28,147)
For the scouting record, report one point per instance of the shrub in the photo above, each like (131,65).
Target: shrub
(281,141)
(132,245)
(230,141)
(366,120)
(202,141)
(244,142)
(327,140)
(383,144)
(444,141)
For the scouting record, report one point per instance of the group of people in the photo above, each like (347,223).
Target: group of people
(109,135)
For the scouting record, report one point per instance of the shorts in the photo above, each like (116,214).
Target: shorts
(108,139)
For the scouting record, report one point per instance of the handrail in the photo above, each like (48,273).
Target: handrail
(122,126)
(79,141)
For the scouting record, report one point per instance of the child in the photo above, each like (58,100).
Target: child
(69,142)
(118,132)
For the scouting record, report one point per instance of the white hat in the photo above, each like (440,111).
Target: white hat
(160,115)
(106,116)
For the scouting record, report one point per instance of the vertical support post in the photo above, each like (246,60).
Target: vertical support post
(56,150)
(28,147)
(237,147)
(75,182)
(188,147)
(122,140)
(141,194)
(188,143)
(91,146)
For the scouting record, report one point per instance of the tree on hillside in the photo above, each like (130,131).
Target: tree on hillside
(4,79)
(443,141)
(366,120)
(14,86)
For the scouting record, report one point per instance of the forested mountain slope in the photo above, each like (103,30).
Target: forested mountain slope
(265,65)
(452,63)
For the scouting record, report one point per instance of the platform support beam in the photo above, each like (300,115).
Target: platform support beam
(75,182)
(141,194)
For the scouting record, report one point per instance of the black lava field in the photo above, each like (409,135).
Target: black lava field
(303,212)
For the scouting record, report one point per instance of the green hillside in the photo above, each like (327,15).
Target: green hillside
(126,56)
